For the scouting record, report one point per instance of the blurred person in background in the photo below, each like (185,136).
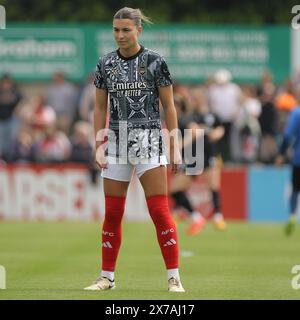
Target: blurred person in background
(182,90)
(21,150)
(37,115)
(296,79)
(250,101)
(201,118)
(285,101)
(82,148)
(266,85)
(268,119)
(224,99)
(87,100)
(62,96)
(53,146)
(34,116)
(246,132)
(10,97)
(291,138)
(81,142)
(181,183)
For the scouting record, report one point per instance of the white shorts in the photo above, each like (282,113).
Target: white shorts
(123,172)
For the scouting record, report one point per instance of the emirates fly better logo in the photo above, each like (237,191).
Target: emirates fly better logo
(2,18)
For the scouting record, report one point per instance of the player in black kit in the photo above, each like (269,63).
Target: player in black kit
(201,118)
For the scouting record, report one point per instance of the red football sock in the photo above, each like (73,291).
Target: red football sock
(112,231)
(165,229)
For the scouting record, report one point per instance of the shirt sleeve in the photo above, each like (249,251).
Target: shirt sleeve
(162,74)
(100,79)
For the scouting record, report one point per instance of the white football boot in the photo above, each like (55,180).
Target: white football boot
(175,285)
(102,283)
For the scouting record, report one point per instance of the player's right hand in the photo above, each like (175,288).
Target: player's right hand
(101,159)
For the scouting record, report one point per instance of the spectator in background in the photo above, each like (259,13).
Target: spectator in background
(267,85)
(37,115)
(35,118)
(296,79)
(292,134)
(82,149)
(10,97)
(87,100)
(181,90)
(21,150)
(285,102)
(246,132)
(62,96)
(268,119)
(224,98)
(250,101)
(53,146)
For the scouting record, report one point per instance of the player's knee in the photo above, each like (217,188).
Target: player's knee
(159,209)
(114,209)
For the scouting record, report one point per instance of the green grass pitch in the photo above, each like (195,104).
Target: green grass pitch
(56,260)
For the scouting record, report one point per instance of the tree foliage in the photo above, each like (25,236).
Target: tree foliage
(175,11)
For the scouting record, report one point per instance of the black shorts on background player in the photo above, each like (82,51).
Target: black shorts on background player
(208,121)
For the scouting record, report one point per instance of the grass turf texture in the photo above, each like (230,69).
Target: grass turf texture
(57,260)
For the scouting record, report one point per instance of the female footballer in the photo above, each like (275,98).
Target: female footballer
(134,79)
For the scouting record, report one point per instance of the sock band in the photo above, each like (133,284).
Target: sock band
(173,273)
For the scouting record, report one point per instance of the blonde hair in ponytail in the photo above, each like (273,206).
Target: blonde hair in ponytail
(133,14)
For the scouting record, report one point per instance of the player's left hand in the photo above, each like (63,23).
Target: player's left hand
(175,159)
